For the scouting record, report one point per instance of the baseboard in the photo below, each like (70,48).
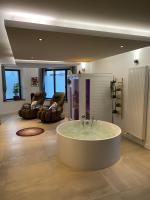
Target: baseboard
(134,139)
(10,113)
(147,146)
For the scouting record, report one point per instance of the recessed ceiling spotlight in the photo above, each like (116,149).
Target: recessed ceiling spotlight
(40,39)
(122,46)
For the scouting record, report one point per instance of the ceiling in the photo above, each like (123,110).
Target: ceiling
(82,30)
(69,47)
(128,13)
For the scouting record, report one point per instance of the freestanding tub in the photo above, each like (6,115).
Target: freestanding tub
(88,148)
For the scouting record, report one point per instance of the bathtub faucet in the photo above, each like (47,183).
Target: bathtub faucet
(83,118)
(92,121)
(87,122)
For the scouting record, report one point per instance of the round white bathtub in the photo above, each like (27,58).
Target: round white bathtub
(88,147)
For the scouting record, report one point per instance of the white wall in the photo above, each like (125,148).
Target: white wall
(119,65)
(13,106)
(27,89)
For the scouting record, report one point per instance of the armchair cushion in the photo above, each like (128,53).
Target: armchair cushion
(53,106)
(33,104)
(54,112)
(29,111)
(26,106)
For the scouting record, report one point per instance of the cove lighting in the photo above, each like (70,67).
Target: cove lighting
(45,62)
(28,17)
(84,25)
(110,28)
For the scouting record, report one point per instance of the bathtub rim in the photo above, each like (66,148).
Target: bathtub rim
(88,140)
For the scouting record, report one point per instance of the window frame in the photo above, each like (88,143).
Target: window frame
(54,79)
(4,83)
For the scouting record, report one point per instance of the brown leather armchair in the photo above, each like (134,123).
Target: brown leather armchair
(50,113)
(30,112)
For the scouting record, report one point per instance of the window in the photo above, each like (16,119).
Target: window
(11,84)
(60,80)
(55,81)
(49,83)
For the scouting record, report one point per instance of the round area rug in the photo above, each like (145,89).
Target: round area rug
(32,131)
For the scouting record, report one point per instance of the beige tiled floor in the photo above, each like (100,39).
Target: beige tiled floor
(30,169)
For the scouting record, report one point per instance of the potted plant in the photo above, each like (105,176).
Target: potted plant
(16,91)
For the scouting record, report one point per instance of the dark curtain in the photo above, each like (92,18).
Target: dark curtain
(41,79)
(3,82)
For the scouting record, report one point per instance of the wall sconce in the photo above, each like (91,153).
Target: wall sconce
(136,56)
(136,61)
(83,65)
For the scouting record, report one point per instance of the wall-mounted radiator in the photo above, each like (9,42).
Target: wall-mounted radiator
(137,101)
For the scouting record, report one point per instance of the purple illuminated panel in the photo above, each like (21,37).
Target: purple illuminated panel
(70,92)
(76,99)
(87,93)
